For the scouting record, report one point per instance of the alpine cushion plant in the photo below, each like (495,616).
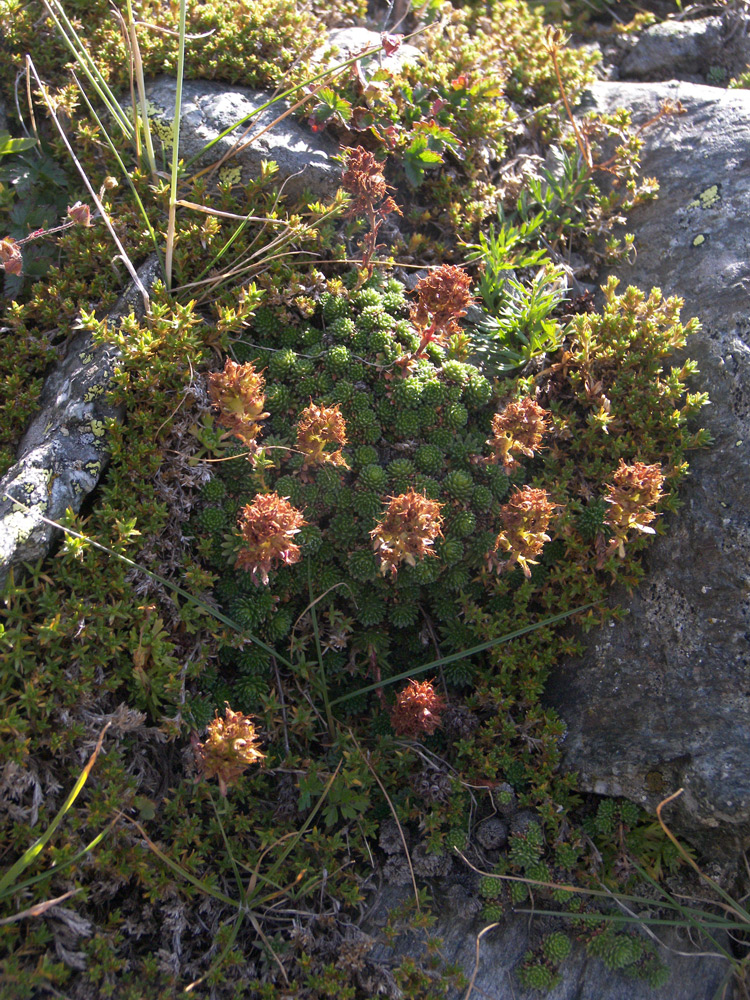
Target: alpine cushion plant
(403,486)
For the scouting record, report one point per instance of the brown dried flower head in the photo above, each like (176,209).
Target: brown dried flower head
(517,430)
(443,297)
(363,179)
(80,214)
(10,256)
(231,747)
(636,489)
(237,393)
(268,526)
(526,518)
(409,526)
(318,429)
(417,710)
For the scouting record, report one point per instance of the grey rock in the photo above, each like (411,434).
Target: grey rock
(522,820)
(661,699)
(461,903)
(689,49)
(349,41)
(502,949)
(209,108)
(64,451)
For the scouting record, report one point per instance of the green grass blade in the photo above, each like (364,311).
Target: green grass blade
(228,848)
(88,67)
(125,173)
(295,840)
(175,588)
(453,657)
(227,246)
(7,882)
(319,651)
(171,224)
(62,865)
(332,70)
(698,921)
(183,873)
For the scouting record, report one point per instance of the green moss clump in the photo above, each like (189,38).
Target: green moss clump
(257,44)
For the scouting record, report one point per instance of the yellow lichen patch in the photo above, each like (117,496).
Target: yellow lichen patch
(162,130)
(161,127)
(699,240)
(230,175)
(707,199)
(98,429)
(93,392)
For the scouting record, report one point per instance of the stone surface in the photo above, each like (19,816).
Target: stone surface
(661,700)
(502,949)
(690,49)
(209,108)
(349,41)
(64,450)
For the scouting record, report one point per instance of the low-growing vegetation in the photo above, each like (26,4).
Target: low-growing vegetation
(351,519)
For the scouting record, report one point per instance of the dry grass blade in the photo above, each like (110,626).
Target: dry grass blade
(40,908)
(387,797)
(480,935)
(239,145)
(137,69)
(94,197)
(732,906)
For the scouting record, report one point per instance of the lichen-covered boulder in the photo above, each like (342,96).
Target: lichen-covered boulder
(495,959)
(661,699)
(348,42)
(64,451)
(716,47)
(209,108)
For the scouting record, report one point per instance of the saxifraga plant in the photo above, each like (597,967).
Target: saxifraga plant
(399,422)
